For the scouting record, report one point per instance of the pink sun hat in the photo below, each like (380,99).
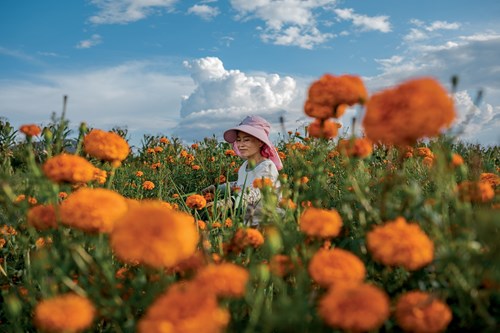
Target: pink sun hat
(257,127)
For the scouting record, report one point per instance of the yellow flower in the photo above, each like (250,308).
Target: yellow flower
(196,201)
(398,243)
(154,235)
(93,210)
(417,311)
(42,217)
(328,267)
(184,308)
(225,280)
(354,307)
(413,110)
(107,146)
(68,168)
(320,222)
(64,313)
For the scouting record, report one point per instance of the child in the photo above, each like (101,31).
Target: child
(251,141)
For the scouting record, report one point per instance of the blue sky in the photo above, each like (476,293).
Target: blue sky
(191,69)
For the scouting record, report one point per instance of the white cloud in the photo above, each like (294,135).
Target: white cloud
(424,31)
(135,95)
(88,43)
(123,12)
(364,22)
(204,11)
(442,25)
(223,97)
(288,22)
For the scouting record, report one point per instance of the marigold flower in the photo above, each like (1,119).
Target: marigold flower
(225,280)
(417,311)
(64,313)
(328,267)
(42,217)
(244,237)
(287,203)
(107,146)
(398,243)
(201,225)
(30,130)
(154,235)
(100,176)
(184,308)
(323,128)
(164,141)
(158,149)
(195,167)
(354,307)
(424,152)
(475,191)
(139,173)
(196,201)
(228,223)
(8,230)
(68,168)
(93,210)
(428,161)
(148,185)
(281,265)
(260,183)
(491,178)
(415,109)
(456,160)
(357,147)
(230,152)
(320,222)
(330,95)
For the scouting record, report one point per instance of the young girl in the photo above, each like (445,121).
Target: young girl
(251,141)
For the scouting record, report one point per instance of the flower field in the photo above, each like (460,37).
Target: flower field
(396,231)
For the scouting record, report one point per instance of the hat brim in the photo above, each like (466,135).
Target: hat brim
(231,134)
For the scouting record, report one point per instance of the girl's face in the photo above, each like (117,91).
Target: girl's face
(249,146)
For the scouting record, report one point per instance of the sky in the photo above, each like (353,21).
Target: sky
(191,69)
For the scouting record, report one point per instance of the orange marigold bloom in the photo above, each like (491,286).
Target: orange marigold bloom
(148,185)
(330,95)
(358,147)
(164,141)
(354,307)
(196,201)
(64,313)
(245,237)
(68,168)
(456,160)
(281,265)
(30,130)
(93,210)
(475,191)
(260,183)
(151,234)
(221,179)
(398,243)
(195,167)
(228,223)
(287,203)
(320,222)
(425,152)
(42,217)
(329,267)
(225,280)
(184,308)
(491,178)
(230,152)
(158,149)
(323,128)
(415,109)
(417,311)
(139,173)
(201,225)
(100,175)
(107,146)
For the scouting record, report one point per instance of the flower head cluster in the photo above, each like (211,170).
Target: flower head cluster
(244,237)
(93,210)
(107,146)
(263,182)
(30,130)
(42,217)
(154,235)
(328,267)
(68,168)
(184,308)
(398,243)
(225,279)
(323,128)
(328,96)
(354,307)
(415,109)
(64,313)
(491,178)
(357,147)
(320,222)
(417,311)
(196,201)
(471,191)
(148,185)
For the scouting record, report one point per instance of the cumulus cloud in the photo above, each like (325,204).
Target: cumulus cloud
(222,98)
(135,95)
(473,60)
(204,11)
(88,43)
(289,22)
(424,31)
(364,22)
(123,12)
